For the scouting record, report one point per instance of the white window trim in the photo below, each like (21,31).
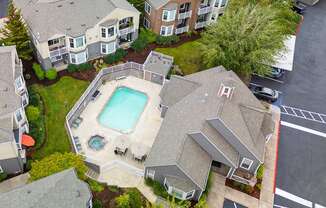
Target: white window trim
(75,54)
(1,169)
(25,97)
(74,41)
(246,160)
(107,48)
(148,6)
(166,34)
(170,17)
(148,22)
(21,115)
(150,174)
(106,32)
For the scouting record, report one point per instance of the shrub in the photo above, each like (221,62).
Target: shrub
(3,176)
(114,189)
(51,74)
(38,71)
(97,203)
(260,172)
(140,44)
(209,184)
(135,198)
(201,203)
(148,34)
(95,186)
(58,162)
(157,188)
(167,40)
(123,201)
(115,57)
(258,185)
(33,113)
(72,68)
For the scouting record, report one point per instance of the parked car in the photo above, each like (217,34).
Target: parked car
(299,7)
(276,73)
(264,93)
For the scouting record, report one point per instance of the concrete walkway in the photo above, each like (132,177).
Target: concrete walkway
(14,182)
(219,191)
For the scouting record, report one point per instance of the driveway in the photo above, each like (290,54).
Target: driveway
(301,179)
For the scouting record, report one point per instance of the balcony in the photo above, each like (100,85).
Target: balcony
(126,30)
(199,25)
(184,14)
(204,9)
(182,30)
(58,51)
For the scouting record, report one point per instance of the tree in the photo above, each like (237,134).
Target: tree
(15,33)
(123,201)
(242,40)
(33,113)
(58,162)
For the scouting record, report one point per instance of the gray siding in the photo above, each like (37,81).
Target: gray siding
(12,165)
(172,170)
(164,109)
(94,50)
(234,141)
(210,149)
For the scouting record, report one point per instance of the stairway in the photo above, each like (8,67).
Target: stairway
(92,174)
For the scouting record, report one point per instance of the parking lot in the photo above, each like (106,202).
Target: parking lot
(301,179)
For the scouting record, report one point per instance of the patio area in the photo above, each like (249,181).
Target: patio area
(139,140)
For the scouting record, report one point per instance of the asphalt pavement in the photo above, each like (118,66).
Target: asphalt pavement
(301,174)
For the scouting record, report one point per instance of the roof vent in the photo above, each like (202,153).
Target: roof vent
(59,5)
(83,25)
(226,91)
(29,191)
(71,2)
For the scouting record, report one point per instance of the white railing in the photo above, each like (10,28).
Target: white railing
(181,30)
(58,52)
(185,15)
(204,10)
(126,166)
(201,24)
(126,31)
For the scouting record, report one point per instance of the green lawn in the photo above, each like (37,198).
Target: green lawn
(187,56)
(58,100)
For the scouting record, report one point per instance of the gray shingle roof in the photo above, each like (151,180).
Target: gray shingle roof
(47,18)
(63,189)
(158,63)
(157,3)
(180,183)
(10,101)
(190,112)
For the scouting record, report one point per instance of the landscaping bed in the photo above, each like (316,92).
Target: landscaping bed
(252,191)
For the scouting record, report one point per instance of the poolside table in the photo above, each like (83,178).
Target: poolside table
(121,143)
(139,151)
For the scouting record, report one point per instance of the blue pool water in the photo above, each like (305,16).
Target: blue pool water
(96,143)
(123,109)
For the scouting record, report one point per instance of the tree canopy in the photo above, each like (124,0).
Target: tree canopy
(243,39)
(58,162)
(15,33)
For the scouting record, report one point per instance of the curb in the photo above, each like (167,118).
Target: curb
(276,157)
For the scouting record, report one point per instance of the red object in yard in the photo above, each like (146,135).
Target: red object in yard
(27,140)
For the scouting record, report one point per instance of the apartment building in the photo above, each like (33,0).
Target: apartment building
(169,17)
(75,31)
(13,122)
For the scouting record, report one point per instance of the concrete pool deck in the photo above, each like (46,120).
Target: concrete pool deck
(144,132)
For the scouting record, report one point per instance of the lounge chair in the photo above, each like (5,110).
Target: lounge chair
(75,125)
(95,95)
(78,120)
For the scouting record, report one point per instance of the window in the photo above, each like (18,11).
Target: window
(177,193)
(110,31)
(77,42)
(19,116)
(19,82)
(223,3)
(246,163)
(168,15)
(150,173)
(1,170)
(190,194)
(53,42)
(25,99)
(78,58)
(107,48)
(148,8)
(147,23)
(166,30)
(103,32)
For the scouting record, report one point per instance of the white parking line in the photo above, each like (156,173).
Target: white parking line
(302,113)
(293,197)
(319,206)
(279,206)
(301,128)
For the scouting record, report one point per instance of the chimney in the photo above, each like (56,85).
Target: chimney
(226,91)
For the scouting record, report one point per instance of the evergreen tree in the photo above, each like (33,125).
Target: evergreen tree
(15,33)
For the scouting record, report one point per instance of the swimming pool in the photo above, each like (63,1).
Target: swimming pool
(123,109)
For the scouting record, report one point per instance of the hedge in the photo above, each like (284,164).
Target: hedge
(167,40)
(80,67)
(51,74)
(38,71)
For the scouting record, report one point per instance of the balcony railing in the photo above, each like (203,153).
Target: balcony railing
(199,25)
(182,30)
(58,52)
(126,31)
(184,15)
(204,10)
(244,177)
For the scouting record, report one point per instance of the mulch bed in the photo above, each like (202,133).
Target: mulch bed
(254,193)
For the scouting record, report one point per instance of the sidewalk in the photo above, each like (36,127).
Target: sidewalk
(219,191)
(14,182)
